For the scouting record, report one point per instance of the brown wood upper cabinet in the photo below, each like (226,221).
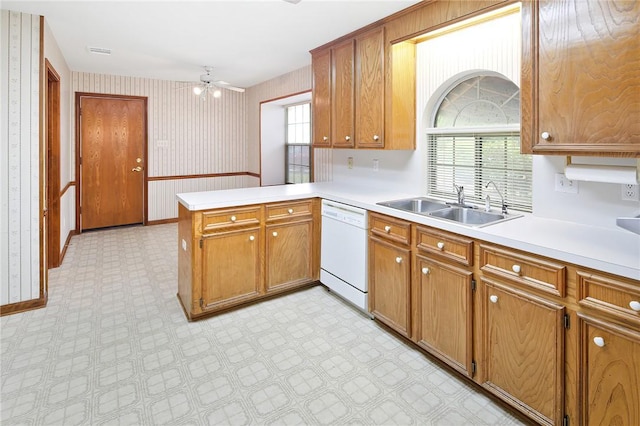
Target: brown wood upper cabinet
(581,77)
(364,93)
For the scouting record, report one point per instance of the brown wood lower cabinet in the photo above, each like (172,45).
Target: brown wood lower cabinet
(231,267)
(442,308)
(610,373)
(231,256)
(523,348)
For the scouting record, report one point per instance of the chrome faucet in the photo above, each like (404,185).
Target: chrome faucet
(504,205)
(460,192)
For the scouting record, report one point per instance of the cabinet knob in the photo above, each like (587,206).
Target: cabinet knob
(233,218)
(599,341)
(545,136)
(387,229)
(635,305)
(376,137)
(398,259)
(347,138)
(440,245)
(325,138)
(493,298)
(290,211)
(275,234)
(516,269)
(251,238)
(425,271)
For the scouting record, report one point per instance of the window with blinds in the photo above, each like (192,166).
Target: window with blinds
(298,143)
(476,140)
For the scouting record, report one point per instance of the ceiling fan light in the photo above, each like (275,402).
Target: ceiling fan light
(197,90)
(217,93)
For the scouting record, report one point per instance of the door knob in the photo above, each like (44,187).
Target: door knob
(137,169)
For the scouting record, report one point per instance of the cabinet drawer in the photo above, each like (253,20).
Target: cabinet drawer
(241,216)
(289,210)
(445,244)
(530,271)
(617,297)
(390,228)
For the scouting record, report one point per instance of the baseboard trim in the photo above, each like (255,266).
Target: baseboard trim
(27,305)
(162,221)
(66,245)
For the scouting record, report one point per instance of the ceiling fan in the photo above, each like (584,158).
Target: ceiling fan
(293,1)
(210,86)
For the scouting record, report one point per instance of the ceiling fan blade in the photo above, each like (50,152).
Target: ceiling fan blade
(292,1)
(224,85)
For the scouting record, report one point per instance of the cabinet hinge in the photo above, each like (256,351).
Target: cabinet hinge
(201,303)
(473,285)
(473,368)
(566,321)
(201,242)
(565,420)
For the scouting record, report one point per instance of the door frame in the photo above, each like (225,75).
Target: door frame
(52,135)
(145,180)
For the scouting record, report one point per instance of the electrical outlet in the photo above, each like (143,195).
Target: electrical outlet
(376,165)
(566,185)
(630,192)
(350,162)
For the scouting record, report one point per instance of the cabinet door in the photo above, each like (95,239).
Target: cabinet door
(289,255)
(443,312)
(342,97)
(584,97)
(321,64)
(389,284)
(524,351)
(370,89)
(610,366)
(231,269)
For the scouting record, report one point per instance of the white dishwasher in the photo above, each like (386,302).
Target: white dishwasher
(343,252)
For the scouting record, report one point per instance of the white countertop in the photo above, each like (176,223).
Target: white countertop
(603,249)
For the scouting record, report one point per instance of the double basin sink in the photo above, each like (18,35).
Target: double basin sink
(440,210)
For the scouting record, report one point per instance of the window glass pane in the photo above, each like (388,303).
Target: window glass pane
(298,148)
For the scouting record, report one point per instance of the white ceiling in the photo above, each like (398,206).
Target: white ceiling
(246,41)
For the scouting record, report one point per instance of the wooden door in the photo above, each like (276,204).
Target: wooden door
(112,153)
(610,367)
(389,284)
(231,269)
(369,98)
(524,351)
(321,64)
(52,217)
(289,249)
(342,97)
(444,313)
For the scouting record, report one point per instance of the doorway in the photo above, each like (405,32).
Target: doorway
(52,218)
(111,159)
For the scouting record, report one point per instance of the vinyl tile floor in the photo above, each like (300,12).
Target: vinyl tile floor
(113,347)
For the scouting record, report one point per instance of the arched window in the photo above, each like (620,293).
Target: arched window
(475,139)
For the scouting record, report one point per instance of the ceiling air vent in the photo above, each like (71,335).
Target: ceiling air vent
(99,50)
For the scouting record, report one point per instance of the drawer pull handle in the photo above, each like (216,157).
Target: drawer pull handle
(376,137)
(440,245)
(325,138)
(233,218)
(251,238)
(516,269)
(275,234)
(347,138)
(635,305)
(290,211)
(398,259)
(493,298)
(599,341)
(545,136)
(425,271)
(387,229)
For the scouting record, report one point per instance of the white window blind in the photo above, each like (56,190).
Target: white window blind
(472,160)
(298,143)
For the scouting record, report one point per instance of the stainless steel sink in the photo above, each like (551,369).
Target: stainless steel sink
(470,216)
(415,205)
